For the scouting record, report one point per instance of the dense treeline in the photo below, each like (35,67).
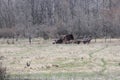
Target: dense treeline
(51,18)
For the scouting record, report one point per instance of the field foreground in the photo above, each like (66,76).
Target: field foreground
(45,58)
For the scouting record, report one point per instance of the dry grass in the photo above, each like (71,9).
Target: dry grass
(44,57)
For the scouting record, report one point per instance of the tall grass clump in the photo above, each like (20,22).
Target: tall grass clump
(3,74)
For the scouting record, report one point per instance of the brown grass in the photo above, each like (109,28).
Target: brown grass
(45,57)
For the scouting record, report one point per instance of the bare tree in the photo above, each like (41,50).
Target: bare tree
(39,18)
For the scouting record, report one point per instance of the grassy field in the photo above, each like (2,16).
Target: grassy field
(95,60)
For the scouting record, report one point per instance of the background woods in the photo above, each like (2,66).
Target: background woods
(51,18)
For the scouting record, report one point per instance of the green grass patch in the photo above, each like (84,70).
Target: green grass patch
(58,75)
